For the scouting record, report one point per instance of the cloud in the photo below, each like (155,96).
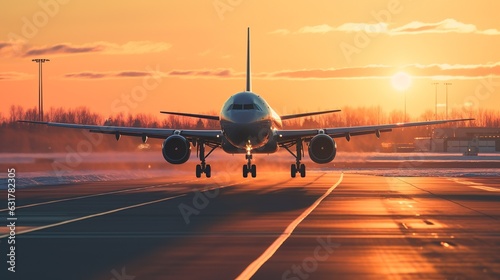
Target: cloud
(220,73)
(62,49)
(384,71)
(133,74)
(88,75)
(20,48)
(201,73)
(111,75)
(445,26)
(14,76)
(12,48)
(416,27)
(4,45)
(323,28)
(380,27)
(434,71)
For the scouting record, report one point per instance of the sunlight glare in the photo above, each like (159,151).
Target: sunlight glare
(401,81)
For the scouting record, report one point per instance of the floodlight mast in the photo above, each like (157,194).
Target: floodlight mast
(40,86)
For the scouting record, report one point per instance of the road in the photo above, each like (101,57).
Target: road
(325,226)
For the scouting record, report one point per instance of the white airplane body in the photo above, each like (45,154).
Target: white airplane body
(250,126)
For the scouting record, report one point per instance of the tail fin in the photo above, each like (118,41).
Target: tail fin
(249,82)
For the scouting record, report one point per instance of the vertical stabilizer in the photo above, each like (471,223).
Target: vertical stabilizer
(249,82)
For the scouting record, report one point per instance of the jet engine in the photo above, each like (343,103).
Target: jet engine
(176,149)
(322,148)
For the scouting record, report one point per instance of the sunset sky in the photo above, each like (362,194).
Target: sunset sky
(147,56)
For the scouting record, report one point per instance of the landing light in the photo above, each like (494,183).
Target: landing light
(249,147)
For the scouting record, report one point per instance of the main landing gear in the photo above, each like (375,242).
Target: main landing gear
(297,167)
(249,167)
(203,167)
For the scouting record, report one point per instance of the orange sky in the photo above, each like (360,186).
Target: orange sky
(306,55)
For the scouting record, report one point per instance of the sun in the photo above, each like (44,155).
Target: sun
(401,81)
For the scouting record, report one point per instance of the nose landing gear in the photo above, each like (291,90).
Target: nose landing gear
(249,167)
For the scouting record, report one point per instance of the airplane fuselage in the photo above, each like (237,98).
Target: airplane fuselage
(249,123)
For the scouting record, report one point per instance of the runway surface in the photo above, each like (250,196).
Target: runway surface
(328,225)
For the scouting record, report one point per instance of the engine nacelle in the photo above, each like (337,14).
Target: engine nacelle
(322,148)
(176,149)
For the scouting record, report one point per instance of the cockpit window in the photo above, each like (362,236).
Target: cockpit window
(251,106)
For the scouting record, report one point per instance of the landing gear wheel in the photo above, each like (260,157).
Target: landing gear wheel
(245,171)
(202,167)
(208,171)
(297,167)
(198,171)
(302,170)
(249,167)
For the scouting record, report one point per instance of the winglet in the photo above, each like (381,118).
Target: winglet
(249,86)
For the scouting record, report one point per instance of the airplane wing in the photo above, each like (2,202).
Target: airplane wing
(287,117)
(208,117)
(161,133)
(347,132)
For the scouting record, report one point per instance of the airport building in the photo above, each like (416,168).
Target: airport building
(460,140)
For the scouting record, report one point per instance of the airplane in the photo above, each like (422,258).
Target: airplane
(248,125)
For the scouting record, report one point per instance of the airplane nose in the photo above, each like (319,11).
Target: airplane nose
(256,134)
(243,118)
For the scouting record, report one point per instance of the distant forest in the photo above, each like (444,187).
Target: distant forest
(20,137)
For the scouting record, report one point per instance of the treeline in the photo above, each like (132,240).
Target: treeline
(21,137)
(348,117)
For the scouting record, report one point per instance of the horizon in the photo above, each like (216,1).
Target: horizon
(347,116)
(174,57)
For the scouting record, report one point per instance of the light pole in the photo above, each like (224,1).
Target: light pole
(447,84)
(40,86)
(436,100)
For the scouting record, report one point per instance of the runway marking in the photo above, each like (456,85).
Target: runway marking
(475,185)
(111,211)
(93,195)
(450,200)
(269,252)
(95,215)
(485,188)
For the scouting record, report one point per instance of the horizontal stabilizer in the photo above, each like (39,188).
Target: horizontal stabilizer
(287,117)
(208,117)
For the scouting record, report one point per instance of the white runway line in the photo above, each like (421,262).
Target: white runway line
(475,185)
(94,215)
(110,212)
(93,195)
(486,188)
(255,265)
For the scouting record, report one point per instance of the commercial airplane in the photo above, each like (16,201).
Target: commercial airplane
(248,125)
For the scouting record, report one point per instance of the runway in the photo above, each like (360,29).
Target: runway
(328,225)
